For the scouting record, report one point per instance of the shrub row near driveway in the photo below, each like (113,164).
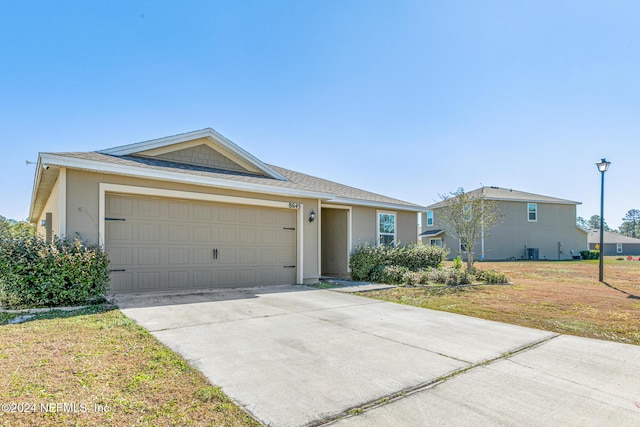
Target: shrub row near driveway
(35,273)
(414,265)
(368,262)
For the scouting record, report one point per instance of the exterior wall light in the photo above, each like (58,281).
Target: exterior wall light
(312,216)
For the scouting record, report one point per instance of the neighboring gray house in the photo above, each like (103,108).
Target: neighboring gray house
(614,243)
(534,227)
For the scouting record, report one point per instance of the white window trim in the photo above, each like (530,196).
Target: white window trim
(436,239)
(432,219)
(619,248)
(536,212)
(395,228)
(188,195)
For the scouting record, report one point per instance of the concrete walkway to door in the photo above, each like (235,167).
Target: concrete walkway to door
(293,355)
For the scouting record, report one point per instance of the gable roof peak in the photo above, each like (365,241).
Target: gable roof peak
(213,139)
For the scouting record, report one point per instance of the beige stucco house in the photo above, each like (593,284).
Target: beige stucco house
(195,211)
(533,227)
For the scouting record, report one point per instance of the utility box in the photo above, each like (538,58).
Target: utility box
(533,254)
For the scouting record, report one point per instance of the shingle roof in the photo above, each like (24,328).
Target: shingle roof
(610,237)
(431,233)
(295,180)
(508,194)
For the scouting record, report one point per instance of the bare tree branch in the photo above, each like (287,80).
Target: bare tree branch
(469,217)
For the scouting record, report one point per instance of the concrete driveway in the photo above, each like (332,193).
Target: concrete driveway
(293,355)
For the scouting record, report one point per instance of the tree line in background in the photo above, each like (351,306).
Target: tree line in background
(13,228)
(630,224)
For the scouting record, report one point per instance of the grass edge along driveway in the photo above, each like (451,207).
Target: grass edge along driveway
(559,296)
(95,366)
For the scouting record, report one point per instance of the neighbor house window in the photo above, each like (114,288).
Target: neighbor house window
(619,248)
(533,212)
(429,218)
(435,242)
(386,228)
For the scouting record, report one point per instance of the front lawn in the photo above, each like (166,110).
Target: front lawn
(563,297)
(97,367)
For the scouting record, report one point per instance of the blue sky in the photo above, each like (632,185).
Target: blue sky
(410,99)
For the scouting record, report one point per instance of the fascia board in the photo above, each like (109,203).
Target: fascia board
(137,147)
(370,203)
(551,202)
(36,184)
(440,233)
(246,155)
(497,199)
(203,133)
(177,177)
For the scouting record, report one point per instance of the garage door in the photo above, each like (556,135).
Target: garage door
(157,244)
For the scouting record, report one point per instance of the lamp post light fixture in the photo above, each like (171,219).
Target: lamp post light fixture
(602,165)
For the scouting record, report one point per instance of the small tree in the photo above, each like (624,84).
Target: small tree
(469,217)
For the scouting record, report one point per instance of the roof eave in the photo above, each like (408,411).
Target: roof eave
(426,233)
(551,202)
(96,166)
(36,184)
(374,204)
(498,199)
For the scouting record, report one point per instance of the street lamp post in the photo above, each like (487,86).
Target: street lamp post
(602,165)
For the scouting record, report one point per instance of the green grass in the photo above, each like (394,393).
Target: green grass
(562,297)
(98,357)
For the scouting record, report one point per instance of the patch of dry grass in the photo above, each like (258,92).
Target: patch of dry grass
(563,297)
(108,371)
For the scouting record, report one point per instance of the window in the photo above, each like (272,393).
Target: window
(533,212)
(463,248)
(435,242)
(429,218)
(619,248)
(386,228)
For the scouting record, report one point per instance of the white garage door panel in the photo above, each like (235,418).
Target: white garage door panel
(165,244)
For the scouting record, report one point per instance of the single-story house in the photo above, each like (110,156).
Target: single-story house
(196,211)
(533,227)
(614,243)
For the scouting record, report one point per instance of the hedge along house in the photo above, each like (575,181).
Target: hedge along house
(195,211)
(534,227)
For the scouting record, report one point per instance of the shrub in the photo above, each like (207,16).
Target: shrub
(457,263)
(592,254)
(416,257)
(450,276)
(490,276)
(34,273)
(394,274)
(368,262)
(364,261)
